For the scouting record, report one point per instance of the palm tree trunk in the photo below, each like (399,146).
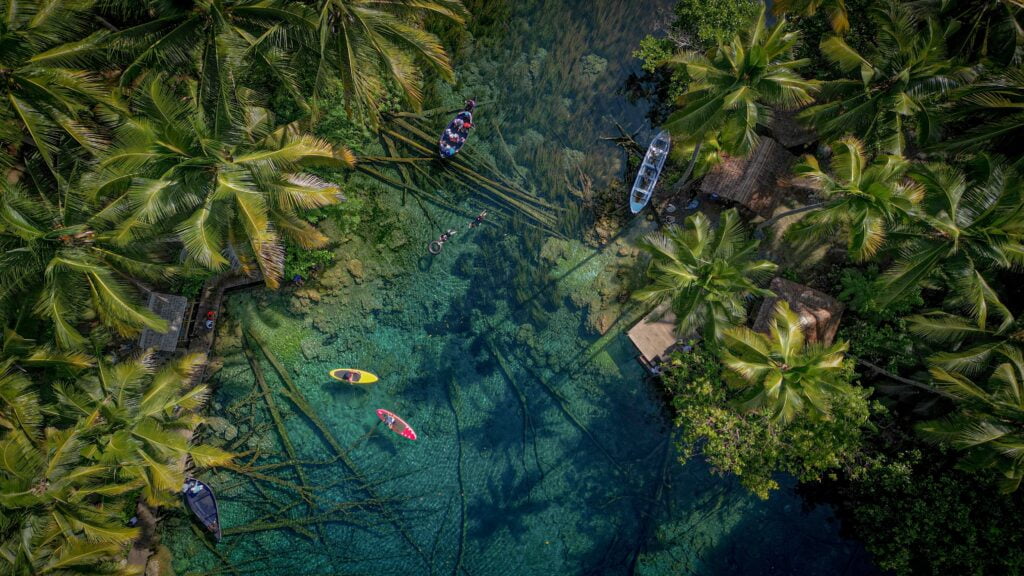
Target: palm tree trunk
(883,372)
(775,219)
(693,161)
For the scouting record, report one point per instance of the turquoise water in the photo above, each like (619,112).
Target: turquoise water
(541,447)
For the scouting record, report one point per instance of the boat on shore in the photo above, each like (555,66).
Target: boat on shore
(203,504)
(650,170)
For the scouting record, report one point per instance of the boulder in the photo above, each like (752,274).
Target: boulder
(310,293)
(355,268)
(221,428)
(159,563)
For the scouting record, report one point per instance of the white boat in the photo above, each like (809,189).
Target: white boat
(647,178)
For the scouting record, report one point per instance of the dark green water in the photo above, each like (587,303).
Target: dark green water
(542,450)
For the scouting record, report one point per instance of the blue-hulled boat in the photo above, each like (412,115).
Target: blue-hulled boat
(203,504)
(647,178)
(455,135)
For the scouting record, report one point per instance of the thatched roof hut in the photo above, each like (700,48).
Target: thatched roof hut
(819,313)
(654,335)
(752,181)
(171,308)
(789,131)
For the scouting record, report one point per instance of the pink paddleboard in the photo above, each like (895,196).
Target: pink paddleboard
(398,426)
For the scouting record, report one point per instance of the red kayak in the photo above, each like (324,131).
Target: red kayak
(397,425)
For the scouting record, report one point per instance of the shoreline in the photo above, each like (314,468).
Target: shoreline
(147,546)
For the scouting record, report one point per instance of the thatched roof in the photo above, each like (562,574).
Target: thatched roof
(752,181)
(655,334)
(789,131)
(819,313)
(170,308)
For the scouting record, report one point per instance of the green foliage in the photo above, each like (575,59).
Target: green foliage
(858,289)
(918,516)
(893,89)
(299,261)
(969,227)
(708,22)
(655,52)
(988,423)
(887,344)
(751,444)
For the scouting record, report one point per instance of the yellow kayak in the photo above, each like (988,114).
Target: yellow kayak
(353,376)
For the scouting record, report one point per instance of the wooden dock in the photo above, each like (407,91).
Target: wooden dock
(654,336)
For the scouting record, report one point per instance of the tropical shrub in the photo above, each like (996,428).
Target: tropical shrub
(753,445)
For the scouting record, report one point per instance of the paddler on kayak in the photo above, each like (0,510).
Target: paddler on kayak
(350,376)
(389,420)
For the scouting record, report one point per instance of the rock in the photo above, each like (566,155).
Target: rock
(310,293)
(311,348)
(600,322)
(397,239)
(159,563)
(625,251)
(215,365)
(222,428)
(355,268)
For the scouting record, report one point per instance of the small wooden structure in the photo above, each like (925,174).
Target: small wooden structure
(751,181)
(819,313)
(654,336)
(171,308)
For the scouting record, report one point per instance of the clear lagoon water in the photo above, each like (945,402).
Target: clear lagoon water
(542,449)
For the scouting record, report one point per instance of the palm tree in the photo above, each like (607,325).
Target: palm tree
(988,422)
(216,42)
(42,100)
(988,114)
(134,413)
(48,477)
(965,228)
(19,403)
(973,344)
(59,255)
(371,43)
(706,275)
(35,546)
(862,200)
(733,87)
(782,374)
(50,520)
(233,190)
(835,10)
(895,89)
(984,29)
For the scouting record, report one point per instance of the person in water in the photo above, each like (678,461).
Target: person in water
(478,220)
(470,105)
(446,236)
